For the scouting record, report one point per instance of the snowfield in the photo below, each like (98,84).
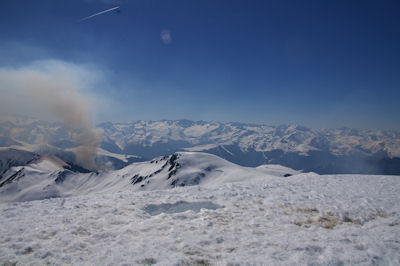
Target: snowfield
(237,216)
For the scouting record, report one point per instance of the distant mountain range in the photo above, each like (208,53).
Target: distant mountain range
(324,151)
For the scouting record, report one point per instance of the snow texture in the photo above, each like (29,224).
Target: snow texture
(271,220)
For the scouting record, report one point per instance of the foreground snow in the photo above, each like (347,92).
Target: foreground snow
(301,219)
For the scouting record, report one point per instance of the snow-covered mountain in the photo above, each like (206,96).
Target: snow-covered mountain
(203,135)
(194,208)
(323,151)
(49,177)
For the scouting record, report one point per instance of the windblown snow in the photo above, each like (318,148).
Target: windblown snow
(196,209)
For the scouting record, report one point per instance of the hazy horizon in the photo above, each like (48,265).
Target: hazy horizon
(99,123)
(310,63)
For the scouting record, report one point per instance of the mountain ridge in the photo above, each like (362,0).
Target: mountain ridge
(50,177)
(325,151)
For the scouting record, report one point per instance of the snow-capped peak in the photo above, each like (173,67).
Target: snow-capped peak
(50,177)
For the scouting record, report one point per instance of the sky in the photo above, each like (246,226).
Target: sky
(312,63)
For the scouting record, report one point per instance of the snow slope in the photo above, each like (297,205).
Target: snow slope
(47,178)
(302,219)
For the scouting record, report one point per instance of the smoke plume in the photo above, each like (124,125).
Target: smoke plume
(53,90)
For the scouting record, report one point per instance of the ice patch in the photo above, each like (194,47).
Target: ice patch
(180,206)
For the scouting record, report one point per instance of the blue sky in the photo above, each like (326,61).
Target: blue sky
(313,63)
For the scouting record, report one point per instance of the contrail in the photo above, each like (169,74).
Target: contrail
(102,12)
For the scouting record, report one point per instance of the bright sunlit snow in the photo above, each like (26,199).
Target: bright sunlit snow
(300,219)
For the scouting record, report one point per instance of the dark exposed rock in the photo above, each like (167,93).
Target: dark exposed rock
(136,179)
(62,176)
(15,177)
(171,161)
(174,165)
(76,168)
